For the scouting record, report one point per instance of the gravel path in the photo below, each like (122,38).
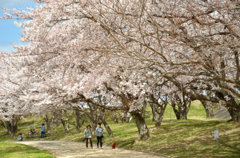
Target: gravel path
(78,150)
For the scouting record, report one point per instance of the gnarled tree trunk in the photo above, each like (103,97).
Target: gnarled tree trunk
(141,125)
(11,125)
(158,109)
(65,121)
(158,113)
(208,109)
(234,110)
(115,116)
(235,115)
(180,107)
(78,119)
(48,121)
(232,106)
(107,127)
(103,120)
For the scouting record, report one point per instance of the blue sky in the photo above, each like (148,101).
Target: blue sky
(9,33)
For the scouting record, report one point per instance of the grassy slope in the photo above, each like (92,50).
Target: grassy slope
(188,138)
(14,150)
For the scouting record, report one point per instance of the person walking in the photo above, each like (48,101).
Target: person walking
(88,136)
(99,133)
(43,131)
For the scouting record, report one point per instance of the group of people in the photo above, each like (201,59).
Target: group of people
(99,131)
(32,132)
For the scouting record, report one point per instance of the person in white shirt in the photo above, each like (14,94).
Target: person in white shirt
(88,136)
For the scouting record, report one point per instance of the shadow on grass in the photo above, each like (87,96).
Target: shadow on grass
(126,143)
(5,136)
(234,148)
(187,150)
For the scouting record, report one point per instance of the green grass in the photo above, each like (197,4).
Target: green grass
(15,150)
(184,138)
(4,135)
(196,111)
(190,138)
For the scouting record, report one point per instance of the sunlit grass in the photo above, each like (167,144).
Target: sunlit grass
(189,138)
(14,150)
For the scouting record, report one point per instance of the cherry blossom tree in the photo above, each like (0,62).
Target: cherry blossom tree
(128,51)
(12,85)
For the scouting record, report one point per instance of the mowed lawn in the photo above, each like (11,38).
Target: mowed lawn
(15,150)
(190,138)
(186,138)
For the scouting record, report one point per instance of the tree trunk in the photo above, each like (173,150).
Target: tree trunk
(67,122)
(115,116)
(161,113)
(231,104)
(154,113)
(65,125)
(94,125)
(181,108)
(234,113)
(77,116)
(176,110)
(180,113)
(11,126)
(93,115)
(48,121)
(208,109)
(82,121)
(183,115)
(158,111)
(141,125)
(110,132)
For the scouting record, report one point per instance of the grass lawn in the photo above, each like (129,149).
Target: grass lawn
(15,150)
(190,138)
(185,138)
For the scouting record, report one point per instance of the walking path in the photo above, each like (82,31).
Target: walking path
(78,150)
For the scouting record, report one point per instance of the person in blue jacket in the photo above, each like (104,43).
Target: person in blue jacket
(99,133)
(43,131)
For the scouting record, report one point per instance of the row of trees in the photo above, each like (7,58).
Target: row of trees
(123,55)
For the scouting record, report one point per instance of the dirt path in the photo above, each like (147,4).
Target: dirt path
(78,150)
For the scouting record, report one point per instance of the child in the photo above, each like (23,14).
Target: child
(99,133)
(88,136)
(33,131)
(20,137)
